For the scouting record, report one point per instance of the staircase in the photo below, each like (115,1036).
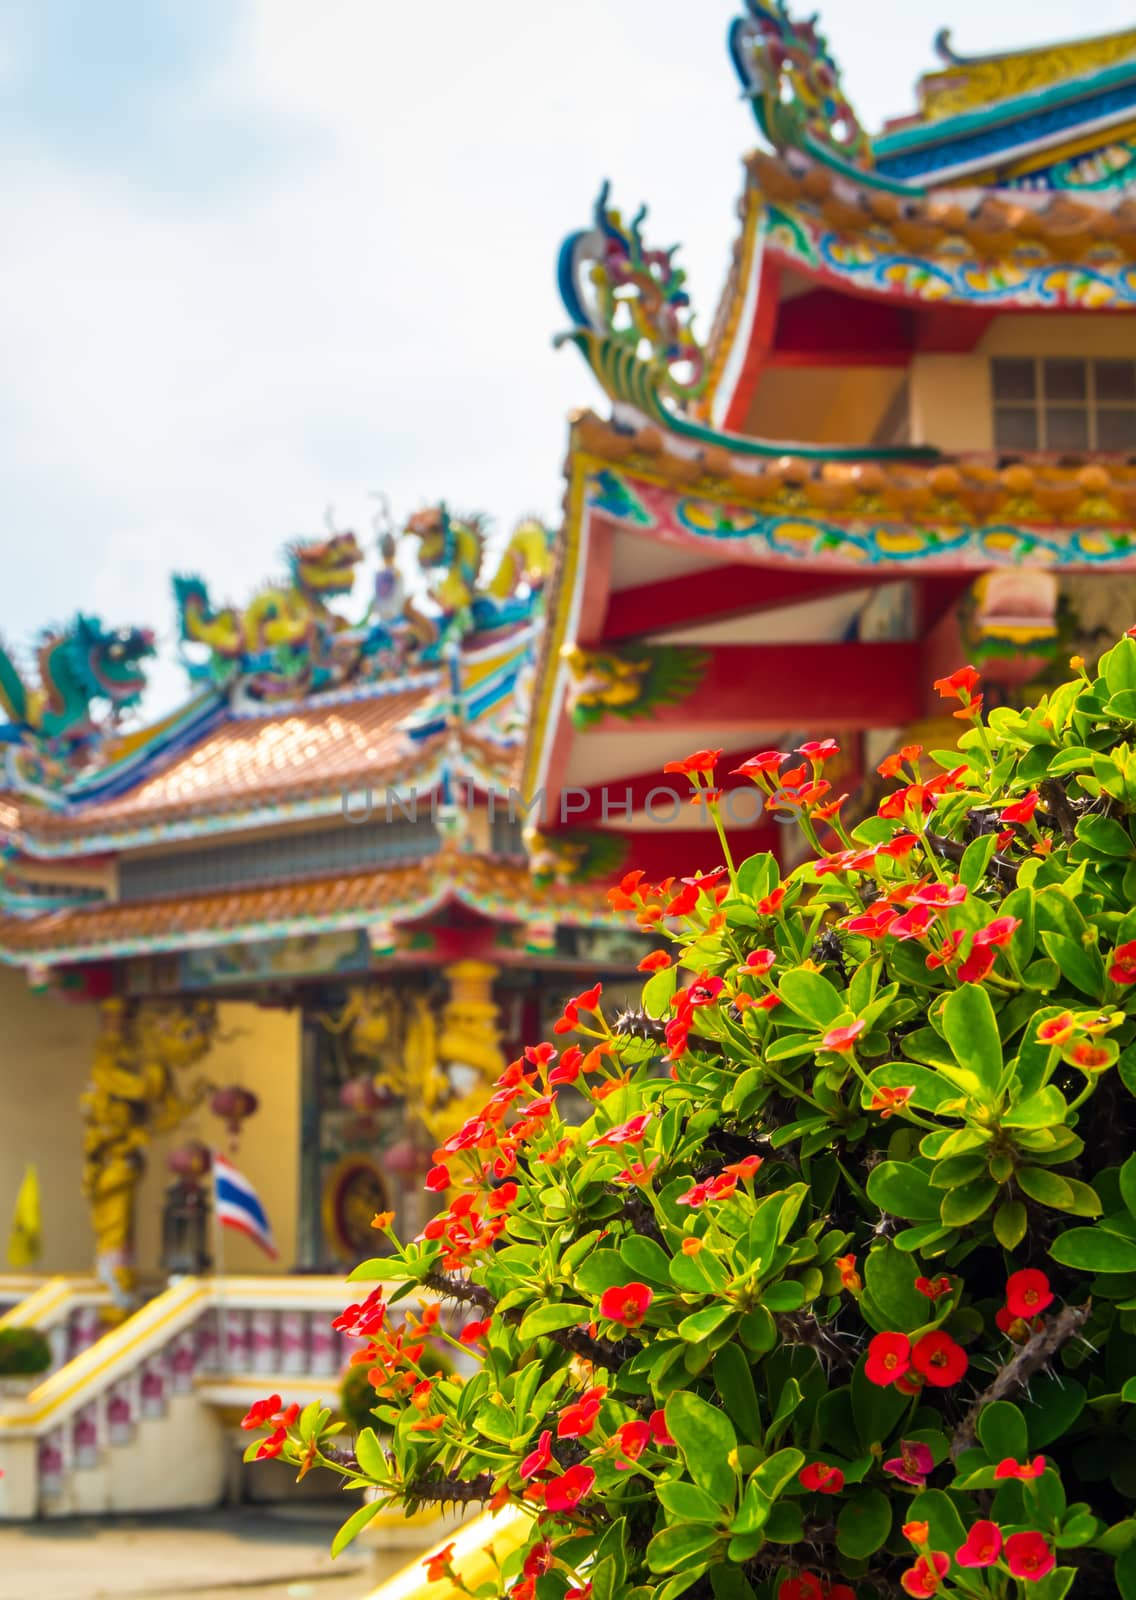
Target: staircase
(143,1419)
(66,1310)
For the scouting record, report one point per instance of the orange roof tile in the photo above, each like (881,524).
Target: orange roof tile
(501,888)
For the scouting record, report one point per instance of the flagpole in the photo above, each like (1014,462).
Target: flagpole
(219,1276)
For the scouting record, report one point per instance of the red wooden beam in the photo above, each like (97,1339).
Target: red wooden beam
(826,687)
(760,341)
(723,591)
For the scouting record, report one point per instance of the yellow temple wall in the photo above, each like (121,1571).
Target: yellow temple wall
(260,1050)
(822,405)
(951,402)
(46,1046)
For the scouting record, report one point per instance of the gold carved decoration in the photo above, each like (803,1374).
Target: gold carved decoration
(970,85)
(133,1095)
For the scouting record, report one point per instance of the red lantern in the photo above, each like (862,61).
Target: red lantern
(191,1160)
(359,1094)
(233,1105)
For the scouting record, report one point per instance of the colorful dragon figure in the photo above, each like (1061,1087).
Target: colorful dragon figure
(454,548)
(282,641)
(793,83)
(82,666)
(617,289)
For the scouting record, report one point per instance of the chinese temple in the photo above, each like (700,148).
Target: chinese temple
(908,440)
(307,915)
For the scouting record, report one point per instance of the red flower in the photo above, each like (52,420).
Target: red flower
(657,1422)
(914,923)
(625,1133)
(983,1546)
(888,1101)
(1057,1029)
(1017,1328)
(892,766)
(438,1179)
(261,1412)
(821,1479)
(819,749)
(705,991)
(1022,810)
(437,1565)
(999,932)
(939,1359)
(1089,1057)
(850,1279)
(804,1587)
(1122,968)
(912,1464)
(889,1356)
(933,1288)
(579,1418)
(765,762)
(538,1561)
(631,1440)
(566,1492)
(1009,1468)
(1028,1555)
(539,1458)
(745,1168)
(700,761)
(977,964)
(273,1445)
(960,685)
(567,1069)
(843,1039)
(474,1332)
(1028,1292)
(772,902)
(923,1579)
(657,961)
(940,894)
(626,1303)
(759,962)
(501,1199)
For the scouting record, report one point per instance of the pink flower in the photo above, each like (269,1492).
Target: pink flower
(912,1465)
(842,1039)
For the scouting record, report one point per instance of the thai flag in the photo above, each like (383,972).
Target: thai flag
(237,1205)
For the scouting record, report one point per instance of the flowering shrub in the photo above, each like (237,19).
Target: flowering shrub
(843,1302)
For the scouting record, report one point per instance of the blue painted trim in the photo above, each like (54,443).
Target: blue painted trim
(979,137)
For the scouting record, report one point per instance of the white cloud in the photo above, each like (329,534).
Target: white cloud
(193,376)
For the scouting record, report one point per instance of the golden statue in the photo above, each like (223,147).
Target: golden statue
(133,1094)
(440,1072)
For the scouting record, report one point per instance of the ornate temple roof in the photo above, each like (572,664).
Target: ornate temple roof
(500,890)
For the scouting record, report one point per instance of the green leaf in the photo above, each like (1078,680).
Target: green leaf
(968,1202)
(889,1279)
(811,996)
(976,859)
(788,1295)
(658,992)
(863,1524)
(687,1503)
(370,1455)
(354,1525)
(785,1524)
(678,1544)
(1048,1188)
(758,875)
(1002,1431)
(1118,666)
(602,1270)
(701,1324)
(971,1030)
(1010,1223)
(733,1379)
(1094,1250)
(1126,1574)
(780,1469)
(707,1439)
(646,1259)
(1044,1109)
(1128,1184)
(548,1319)
(1082,967)
(938,1510)
(1104,836)
(903,1189)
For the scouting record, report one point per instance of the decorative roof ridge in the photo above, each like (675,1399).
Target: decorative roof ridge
(353,694)
(633,341)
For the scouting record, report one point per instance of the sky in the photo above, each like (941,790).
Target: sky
(266,257)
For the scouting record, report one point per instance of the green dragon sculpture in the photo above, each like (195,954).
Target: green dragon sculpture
(54,727)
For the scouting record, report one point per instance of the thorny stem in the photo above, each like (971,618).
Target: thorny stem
(1035,1354)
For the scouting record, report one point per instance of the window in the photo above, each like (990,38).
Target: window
(1053,403)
